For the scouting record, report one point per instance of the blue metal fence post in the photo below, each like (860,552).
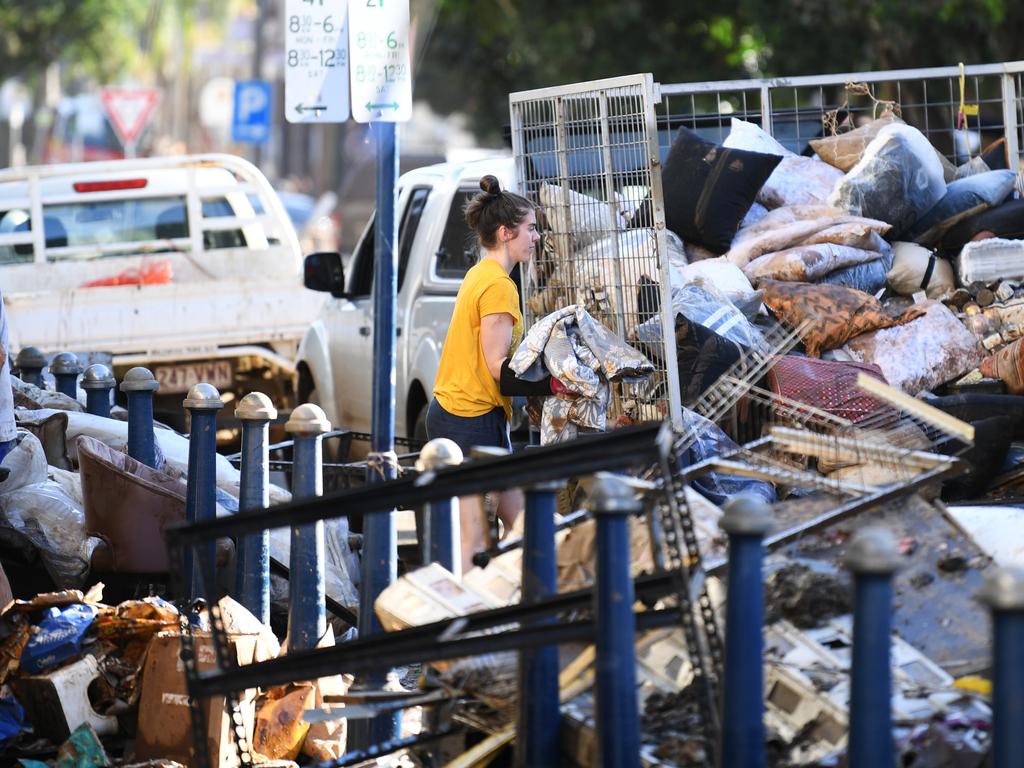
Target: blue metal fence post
(98,381)
(203,402)
(873,558)
(139,385)
(539,737)
(255,411)
(441,540)
(30,363)
(746,521)
(66,369)
(1003,592)
(618,721)
(307,612)
(379,567)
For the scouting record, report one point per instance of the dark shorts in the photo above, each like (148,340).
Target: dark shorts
(489,429)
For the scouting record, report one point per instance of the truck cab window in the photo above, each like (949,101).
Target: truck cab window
(360,281)
(214,207)
(361,278)
(12,222)
(459,250)
(407,229)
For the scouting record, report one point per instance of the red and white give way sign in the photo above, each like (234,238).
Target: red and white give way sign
(129,109)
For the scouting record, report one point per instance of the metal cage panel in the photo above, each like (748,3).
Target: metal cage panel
(797,109)
(587,154)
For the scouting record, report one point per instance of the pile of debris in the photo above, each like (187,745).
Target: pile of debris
(109,679)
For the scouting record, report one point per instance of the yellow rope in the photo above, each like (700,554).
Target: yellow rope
(965,110)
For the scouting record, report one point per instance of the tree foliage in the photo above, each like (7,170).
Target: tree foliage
(99,36)
(477,53)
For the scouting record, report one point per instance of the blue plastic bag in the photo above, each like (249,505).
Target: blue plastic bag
(59,637)
(12,718)
(711,441)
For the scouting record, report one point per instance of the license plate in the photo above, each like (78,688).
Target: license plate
(181,378)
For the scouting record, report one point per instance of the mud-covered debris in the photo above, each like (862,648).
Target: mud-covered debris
(952,563)
(805,597)
(921,579)
(672,721)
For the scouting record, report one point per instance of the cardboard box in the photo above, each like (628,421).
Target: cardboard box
(57,702)
(427,595)
(165,721)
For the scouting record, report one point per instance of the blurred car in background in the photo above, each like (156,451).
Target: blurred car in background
(315,219)
(81,131)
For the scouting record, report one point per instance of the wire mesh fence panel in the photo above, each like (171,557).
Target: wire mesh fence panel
(961,112)
(584,155)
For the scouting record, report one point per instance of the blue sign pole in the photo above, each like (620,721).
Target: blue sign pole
(380,544)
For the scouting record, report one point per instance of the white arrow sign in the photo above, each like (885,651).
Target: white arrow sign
(381,70)
(316,61)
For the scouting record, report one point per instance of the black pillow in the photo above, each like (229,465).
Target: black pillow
(1005,220)
(702,357)
(709,189)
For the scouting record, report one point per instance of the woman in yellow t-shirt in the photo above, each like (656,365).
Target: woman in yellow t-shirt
(473,391)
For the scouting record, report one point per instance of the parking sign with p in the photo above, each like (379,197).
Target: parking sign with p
(253,103)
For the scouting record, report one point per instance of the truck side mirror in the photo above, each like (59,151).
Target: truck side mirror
(322,271)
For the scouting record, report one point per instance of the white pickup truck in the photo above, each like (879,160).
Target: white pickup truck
(435,248)
(187,265)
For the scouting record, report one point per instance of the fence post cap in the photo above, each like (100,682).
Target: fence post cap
(98,376)
(308,419)
(437,453)
(607,492)
(65,363)
(255,406)
(746,515)
(30,357)
(202,397)
(139,379)
(873,550)
(1004,590)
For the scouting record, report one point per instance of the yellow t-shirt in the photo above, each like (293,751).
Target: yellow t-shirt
(464,386)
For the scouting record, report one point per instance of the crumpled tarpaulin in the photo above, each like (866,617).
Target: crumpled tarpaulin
(581,352)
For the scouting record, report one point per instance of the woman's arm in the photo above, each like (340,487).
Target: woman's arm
(495,339)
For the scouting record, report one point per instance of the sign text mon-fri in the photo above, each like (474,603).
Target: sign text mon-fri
(340,52)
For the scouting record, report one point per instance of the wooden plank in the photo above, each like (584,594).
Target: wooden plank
(939,419)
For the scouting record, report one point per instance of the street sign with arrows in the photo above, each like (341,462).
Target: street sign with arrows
(316,61)
(380,71)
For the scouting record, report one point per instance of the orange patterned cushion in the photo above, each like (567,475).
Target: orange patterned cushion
(836,313)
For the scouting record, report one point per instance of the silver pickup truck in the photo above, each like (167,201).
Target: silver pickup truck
(187,265)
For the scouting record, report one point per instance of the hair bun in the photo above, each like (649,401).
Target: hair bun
(490,185)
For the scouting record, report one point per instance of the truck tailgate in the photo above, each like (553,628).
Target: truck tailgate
(160,318)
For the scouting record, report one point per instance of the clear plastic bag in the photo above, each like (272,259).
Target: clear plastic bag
(898,179)
(26,461)
(45,516)
(869,277)
(703,303)
(711,441)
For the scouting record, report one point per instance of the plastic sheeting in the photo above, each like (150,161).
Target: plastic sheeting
(806,263)
(898,179)
(795,225)
(869,277)
(45,516)
(712,441)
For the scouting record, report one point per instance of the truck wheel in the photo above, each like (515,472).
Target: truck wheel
(419,430)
